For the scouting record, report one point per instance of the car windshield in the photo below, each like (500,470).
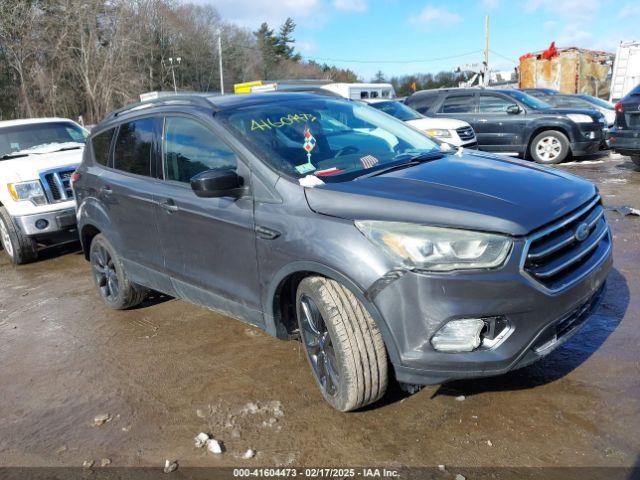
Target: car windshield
(398,110)
(570,101)
(333,139)
(597,101)
(527,100)
(29,138)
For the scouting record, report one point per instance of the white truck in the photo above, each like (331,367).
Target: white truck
(626,70)
(37,160)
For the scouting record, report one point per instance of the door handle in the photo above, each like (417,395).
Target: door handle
(483,120)
(106,190)
(169,205)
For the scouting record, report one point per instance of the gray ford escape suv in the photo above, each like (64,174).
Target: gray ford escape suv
(326,220)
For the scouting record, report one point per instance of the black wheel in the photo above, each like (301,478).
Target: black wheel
(549,147)
(20,248)
(636,159)
(117,291)
(343,344)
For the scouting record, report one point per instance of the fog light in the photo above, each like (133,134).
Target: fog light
(458,335)
(41,224)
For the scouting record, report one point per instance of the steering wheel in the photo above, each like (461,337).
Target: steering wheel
(346,151)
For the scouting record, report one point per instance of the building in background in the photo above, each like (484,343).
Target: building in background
(569,70)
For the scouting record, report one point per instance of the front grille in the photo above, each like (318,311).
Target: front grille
(565,252)
(57,184)
(465,133)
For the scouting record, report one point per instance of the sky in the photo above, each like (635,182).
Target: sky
(416,36)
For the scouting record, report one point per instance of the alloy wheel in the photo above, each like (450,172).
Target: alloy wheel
(549,148)
(105,274)
(5,239)
(319,346)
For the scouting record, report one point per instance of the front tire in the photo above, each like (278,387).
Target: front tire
(549,147)
(343,344)
(115,288)
(636,159)
(19,248)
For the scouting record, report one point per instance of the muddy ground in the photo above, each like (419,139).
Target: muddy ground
(168,370)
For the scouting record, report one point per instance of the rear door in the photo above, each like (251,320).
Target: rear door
(126,192)
(496,129)
(209,244)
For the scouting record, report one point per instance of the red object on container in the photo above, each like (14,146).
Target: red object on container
(526,55)
(550,52)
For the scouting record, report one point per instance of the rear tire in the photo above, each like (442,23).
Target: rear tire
(115,288)
(636,159)
(343,344)
(19,248)
(549,147)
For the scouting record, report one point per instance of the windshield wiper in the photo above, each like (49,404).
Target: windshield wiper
(411,161)
(9,156)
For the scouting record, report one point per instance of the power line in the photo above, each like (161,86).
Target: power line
(345,60)
(503,56)
(424,60)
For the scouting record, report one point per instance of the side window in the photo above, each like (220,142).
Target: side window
(101,144)
(134,146)
(494,104)
(459,104)
(191,148)
(422,103)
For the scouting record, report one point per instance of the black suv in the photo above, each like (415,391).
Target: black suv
(625,134)
(326,220)
(512,122)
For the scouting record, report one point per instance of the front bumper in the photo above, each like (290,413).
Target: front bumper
(579,149)
(416,305)
(53,222)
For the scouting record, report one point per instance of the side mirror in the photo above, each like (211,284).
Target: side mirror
(221,182)
(513,109)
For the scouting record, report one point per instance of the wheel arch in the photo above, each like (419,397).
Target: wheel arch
(280,294)
(545,128)
(87,234)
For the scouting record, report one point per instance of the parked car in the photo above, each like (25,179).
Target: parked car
(625,134)
(514,123)
(541,93)
(37,158)
(586,102)
(288,211)
(448,130)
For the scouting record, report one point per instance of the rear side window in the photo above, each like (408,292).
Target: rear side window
(101,144)
(459,104)
(134,146)
(191,148)
(423,103)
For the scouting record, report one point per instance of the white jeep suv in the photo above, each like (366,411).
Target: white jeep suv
(37,159)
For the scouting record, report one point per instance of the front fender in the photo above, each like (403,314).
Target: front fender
(329,272)
(552,123)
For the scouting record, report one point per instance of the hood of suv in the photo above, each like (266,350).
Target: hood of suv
(28,168)
(595,115)
(475,191)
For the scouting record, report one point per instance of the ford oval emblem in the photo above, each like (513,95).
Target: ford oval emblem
(582,232)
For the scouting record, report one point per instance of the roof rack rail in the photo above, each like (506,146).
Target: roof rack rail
(193,99)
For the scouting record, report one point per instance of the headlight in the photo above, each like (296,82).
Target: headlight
(28,191)
(580,118)
(438,132)
(437,249)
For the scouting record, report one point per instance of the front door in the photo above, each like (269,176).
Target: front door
(496,129)
(209,244)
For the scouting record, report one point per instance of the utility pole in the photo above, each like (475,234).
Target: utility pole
(486,51)
(220,59)
(173,74)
